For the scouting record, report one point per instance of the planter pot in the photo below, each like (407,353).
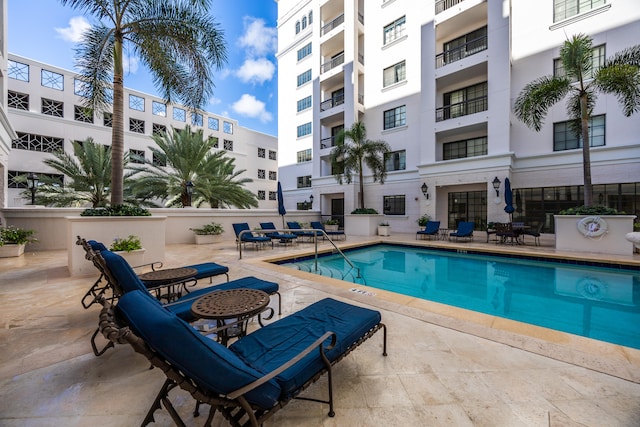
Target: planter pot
(11,250)
(331,227)
(603,234)
(362,225)
(134,258)
(384,230)
(207,239)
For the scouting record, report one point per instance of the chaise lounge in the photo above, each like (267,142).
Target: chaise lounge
(464,231)
(431,229)
(317,225)
(258,374)
(244,236)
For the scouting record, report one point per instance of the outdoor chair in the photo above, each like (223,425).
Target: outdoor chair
(464,231)
(294,225)
(506,234)
(283,237)
(534,233)
(257,375)
(317,225)
(248,237)
(431,229)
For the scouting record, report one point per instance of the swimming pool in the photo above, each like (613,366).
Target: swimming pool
(595,302)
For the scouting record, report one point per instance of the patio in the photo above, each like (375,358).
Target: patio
(445,367)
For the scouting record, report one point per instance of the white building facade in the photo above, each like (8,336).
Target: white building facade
(437,80)
(46,112)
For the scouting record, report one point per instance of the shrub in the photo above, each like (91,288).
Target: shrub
(364,211)
(128,244)
(384,224)
(16,236)
(209,229)
(331,222)
(591,210)
(117,210)
(422,221)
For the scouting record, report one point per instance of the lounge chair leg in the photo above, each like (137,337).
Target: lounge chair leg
(163,396)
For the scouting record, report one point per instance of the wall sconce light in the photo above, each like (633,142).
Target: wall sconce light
(425,190)
(189,186)
(311,201)
(496,185)
(308,204)
(32,184)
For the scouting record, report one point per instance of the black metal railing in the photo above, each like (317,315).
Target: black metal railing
(334,62)
(361,17)
(328,142)
(331,25)
(443,5)
(462,108)
(332,102)
(361,58)
(469,48)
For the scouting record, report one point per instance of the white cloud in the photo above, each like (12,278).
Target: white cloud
(73,33)
(256,70)
(249,106)
(258,39)
(130,64)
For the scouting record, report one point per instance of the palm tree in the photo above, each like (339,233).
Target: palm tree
(182,156)
(350,158)
(620,76)
(176,39)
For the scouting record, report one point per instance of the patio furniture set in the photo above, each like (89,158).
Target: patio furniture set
(268,233)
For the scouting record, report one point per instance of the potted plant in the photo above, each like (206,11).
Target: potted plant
(208,233)
(423,220)
(130,248)
(13,240)
(331,225)
(384,229)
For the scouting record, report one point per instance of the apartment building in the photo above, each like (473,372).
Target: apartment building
(46,111)
(7,134)
(437,80)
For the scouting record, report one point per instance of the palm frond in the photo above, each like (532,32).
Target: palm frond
(537,97)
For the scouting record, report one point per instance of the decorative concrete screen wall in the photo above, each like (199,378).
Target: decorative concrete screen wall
(597,234)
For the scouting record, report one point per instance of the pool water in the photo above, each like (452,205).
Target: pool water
(595,302)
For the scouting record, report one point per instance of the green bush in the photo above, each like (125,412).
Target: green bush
(117,210)
(365,211)
(16,236)
(422,221)
(128,244)
(591,210)
(331,222)
(209,229)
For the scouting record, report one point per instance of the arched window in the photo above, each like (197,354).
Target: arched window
(310,17)
(297,27)
(304,22)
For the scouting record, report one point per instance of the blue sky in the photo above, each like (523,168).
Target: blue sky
(246,89)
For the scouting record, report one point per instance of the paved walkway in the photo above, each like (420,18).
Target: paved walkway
(446,367)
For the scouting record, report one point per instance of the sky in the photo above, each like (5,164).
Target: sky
(246,88)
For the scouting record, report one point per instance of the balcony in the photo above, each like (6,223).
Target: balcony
(460,109)
(334,62)
(328,142)
(332,102)
(470,48)
(331,25)
(443,5)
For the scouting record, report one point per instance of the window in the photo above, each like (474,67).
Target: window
(214,140)
(51,79)
(196,119)
(261,194)
(228,145)
(394,31)
(17,100)
(80,88)
(395,161)
(394,74)
(304,155)
(466,148)
(107,119)
(273,195)
(304,181)
(52,108)
(82,114)
(564,137)
(227,127)
(18,70)
(213,123)
(461,102)
(563,9)
(297,30)
(597,62)
(136,156)
(159,159)
(179,114)
(272,155)
(463,46)
(304,103)
(262,174)
(108,95)
(158,109)
(33,142)
(395,117)
(304,22)
(304,51)
(262,152)
(273,175)
(136,103)
(304,129)
(394,205)
(136,125)
(304,77)
(158,129)
(310,17)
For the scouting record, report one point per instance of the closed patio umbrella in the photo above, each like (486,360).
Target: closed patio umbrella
(508,197)
(281,210)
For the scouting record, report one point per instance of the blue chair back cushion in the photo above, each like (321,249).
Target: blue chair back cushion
(267,348)
(293,225)
(122,272)
(432,227)
(97,246)
(267,226)
(210,364)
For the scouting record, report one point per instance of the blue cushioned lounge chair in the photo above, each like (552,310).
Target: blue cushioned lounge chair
(464,231)
(283,237)
(431,229)
(294,225)
(317,225)
(248,237)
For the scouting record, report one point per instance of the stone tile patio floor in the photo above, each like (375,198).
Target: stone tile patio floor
(434,375)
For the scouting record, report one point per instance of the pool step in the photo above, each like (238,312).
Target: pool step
(330,272)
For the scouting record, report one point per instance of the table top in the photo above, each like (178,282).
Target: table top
(168,275)
(230,303)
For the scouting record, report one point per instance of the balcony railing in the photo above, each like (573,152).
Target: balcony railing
(469,48)
(361,17)
(361,99)
(332,102)
(459,109)
(328,142)
(331,25)
(361,58)
(334,62)
(443,5)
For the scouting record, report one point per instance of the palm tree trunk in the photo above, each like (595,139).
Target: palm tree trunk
(586,153)
(117,134)
(361,178)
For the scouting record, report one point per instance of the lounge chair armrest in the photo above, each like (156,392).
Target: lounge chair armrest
(316,344)
(155,265)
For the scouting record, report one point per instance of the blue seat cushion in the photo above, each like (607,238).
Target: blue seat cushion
(97,246)
(210,364)
(122,272)
(271,346)
(209,269)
